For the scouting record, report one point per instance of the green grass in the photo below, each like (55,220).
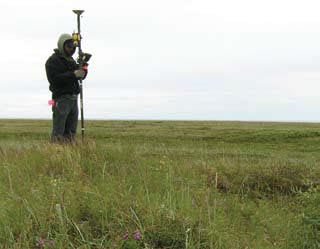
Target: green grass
(181,184)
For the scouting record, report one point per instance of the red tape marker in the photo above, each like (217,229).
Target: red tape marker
(51,102)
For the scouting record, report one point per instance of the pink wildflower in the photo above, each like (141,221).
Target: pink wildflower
(137,235)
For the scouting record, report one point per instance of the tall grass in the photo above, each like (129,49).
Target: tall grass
(178,184)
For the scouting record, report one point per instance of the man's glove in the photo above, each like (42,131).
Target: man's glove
(80,73)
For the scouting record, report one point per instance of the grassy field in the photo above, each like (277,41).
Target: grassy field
(160,184)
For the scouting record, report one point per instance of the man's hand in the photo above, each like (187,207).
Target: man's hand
(80,73)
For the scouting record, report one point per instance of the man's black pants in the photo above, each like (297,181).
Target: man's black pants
(64,118)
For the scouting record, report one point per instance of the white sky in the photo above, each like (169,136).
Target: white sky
(169,59)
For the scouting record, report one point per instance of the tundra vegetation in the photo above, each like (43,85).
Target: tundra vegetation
(161,184)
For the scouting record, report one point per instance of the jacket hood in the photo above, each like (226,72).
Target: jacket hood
(62,39)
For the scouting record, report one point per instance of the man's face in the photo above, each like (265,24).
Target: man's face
(69,48)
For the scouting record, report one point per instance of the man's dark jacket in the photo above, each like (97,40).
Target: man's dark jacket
(60,73)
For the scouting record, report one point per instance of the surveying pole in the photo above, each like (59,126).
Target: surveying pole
(77,41)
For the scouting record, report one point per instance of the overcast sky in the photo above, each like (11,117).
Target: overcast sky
(169,59)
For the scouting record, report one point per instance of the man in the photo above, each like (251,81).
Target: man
(63,74)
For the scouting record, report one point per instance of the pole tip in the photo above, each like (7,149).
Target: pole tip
(78,12)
